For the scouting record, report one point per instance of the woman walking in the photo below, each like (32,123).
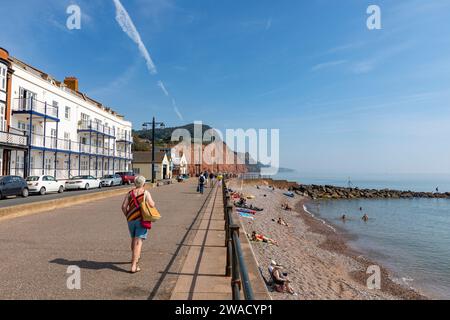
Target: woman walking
(131,209)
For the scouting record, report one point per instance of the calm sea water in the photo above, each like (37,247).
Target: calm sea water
(417,182)
(411,237)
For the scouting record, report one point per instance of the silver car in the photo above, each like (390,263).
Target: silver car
(110,180)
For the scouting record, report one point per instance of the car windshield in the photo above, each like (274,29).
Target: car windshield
(33,179)
(79,177)
(108,177)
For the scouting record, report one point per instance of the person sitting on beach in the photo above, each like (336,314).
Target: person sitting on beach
(365,218)
(261,238)
(282,222)
(280,280)
(286,207)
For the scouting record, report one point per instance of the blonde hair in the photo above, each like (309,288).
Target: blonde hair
(139,181)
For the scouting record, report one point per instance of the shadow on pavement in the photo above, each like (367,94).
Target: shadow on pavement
(91,265)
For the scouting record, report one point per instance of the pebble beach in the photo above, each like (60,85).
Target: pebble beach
(316,257)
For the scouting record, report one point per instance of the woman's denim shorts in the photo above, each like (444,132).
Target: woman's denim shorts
(136,230)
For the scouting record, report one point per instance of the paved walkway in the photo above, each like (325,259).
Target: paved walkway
(203,274)
(35,251)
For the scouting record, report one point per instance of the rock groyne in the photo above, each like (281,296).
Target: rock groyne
(333,192)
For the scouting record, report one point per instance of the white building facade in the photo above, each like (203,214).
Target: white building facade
(62,132)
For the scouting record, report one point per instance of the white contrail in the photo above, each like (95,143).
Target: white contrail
(127,25)
(163,88)
(175,108)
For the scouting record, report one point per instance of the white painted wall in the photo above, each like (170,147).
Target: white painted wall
(47,92)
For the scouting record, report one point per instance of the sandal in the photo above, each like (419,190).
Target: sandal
(136,271)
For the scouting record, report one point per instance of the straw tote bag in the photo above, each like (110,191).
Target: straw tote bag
(149,214)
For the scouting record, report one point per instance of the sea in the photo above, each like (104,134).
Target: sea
(410,237)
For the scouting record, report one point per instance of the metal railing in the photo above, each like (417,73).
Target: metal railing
(51,142)
(236,266)
(95,126)
(32,104)
(13,138)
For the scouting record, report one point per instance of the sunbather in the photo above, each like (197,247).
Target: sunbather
(282,222)
(286,207)
(281,281)
(261,238)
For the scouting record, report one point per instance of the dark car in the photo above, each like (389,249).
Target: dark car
(127,177)
(13,186)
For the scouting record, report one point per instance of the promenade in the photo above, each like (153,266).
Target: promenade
(36,250)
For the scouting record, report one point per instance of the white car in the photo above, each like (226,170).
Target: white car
(83,182)
(44,184)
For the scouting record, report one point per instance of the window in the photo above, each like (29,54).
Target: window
(66,140)
(27,99)
(3,72)
(84,165)
(2,117)
(26,127)
(48,164)
(137,170)
(67,113)
(84,118)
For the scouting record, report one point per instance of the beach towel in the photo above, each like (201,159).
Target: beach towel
(246,215)
(245,210)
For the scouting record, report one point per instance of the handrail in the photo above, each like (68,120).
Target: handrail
(236,266)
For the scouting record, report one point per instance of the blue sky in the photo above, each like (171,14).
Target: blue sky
(346,99)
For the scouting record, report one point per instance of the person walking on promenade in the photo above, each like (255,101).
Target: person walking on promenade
(219,179)
(201,183)
(211,179)
(131,209)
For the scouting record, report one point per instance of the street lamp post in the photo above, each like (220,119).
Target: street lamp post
(153,123)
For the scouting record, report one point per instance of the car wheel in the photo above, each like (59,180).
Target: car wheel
(1,196)
(61,189)
(86,187)
(42,191)
(111,184)
(25,193)
(100,186)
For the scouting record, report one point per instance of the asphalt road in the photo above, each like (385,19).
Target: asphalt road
(12,201)
(36,251)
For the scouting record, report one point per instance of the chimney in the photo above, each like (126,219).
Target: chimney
(71,83)
(4,55)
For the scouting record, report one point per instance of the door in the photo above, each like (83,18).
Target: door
(16,184)
(50,183)
(7,187)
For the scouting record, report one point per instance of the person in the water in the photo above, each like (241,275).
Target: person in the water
(344,217)
(365,218)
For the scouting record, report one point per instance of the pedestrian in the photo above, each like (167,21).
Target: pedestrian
(211,179)
(131,209)
(201,183)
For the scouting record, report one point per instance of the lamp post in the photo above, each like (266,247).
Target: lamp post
(154,124)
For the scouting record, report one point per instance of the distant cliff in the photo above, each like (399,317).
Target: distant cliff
(232,162)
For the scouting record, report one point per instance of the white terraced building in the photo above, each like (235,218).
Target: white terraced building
(48,127)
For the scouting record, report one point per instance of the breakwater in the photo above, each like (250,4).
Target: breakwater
(333,192)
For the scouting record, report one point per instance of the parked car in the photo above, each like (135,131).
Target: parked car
(13,186)
(110,180)
(44,184)
(83,182)
(127,177)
